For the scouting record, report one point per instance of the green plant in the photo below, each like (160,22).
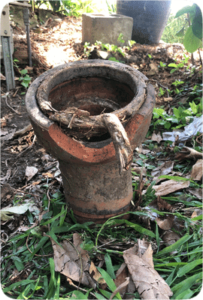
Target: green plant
(120,38)
(177,82)
(87,49)
(25,78)
(193,37)
(111,6)
(174,25)
(131,43)
(55,5)
(176,67)
(161,91)
(113,59)
(72,7)
(162,64)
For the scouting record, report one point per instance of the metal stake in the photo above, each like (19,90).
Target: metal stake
(27,25)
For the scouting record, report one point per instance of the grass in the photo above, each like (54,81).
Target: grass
(31,252)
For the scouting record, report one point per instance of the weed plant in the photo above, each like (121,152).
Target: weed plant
(174,32)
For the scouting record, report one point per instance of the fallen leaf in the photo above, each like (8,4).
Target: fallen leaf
(170,186)
(197,170)
(6,189)
(162,204)
(121,276)
(187,152)
(18,210)
(5,178)
(3,132)
(197,212)
(139,170)
(153,69)
(170,237)
(163,169)
(168,99)
(196,192)
(8,136)
(30,172)
(148,256)
(77,241)
(49,175)
(149,284)
(156,137)
(68,262)
(130,288)
(165,223)
(2,77)
(95,274)
(120,287)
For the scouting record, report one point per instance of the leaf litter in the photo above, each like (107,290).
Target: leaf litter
(170,228)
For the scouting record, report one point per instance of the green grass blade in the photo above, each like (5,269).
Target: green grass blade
(186,284)
(105,293)
(109,281)
(109,266)
(99,296)
(185,295)
(17,284)
(188,267)
(174,246)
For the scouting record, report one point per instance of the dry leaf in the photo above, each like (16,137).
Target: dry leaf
(49,175)
(120,287)
(170,186)
(153,69)
(3,122)
(170,237)
(30,172)
(163,169)
(196,192)
(68,262)
(130,289)
(162,204)
(148,256)
(139,170)
(6,189)
(156,137)
(187,152)
(3,132)
(94,273)
(2,77)
(8,136)
(197,170)
(166,223)
(149,284)
(5,178)
(121,276)
(18,210)
(197,212)
(77,241)
(168,99)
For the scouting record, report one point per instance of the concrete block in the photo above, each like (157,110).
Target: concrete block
(106,28)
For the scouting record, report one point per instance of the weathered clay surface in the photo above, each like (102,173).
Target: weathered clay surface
(93,185)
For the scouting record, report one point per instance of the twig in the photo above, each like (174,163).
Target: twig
(5,96)
(164,87)
(106,243)
(22,131)
(45,255)
(79,288)
(27,147)
(16,91)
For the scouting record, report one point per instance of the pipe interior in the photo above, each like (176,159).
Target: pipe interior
(94,94)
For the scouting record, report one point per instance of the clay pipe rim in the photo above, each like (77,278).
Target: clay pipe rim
(133,78)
